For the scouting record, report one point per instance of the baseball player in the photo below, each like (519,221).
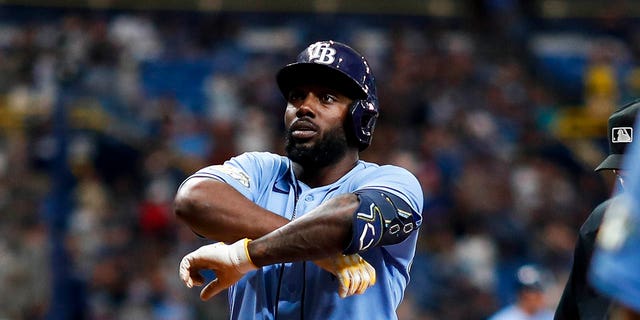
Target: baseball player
(579,299)
(614,270)
(318,233)
(530,301)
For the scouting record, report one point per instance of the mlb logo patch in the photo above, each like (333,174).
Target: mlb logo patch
(621,134)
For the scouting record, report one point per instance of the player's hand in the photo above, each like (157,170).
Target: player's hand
(229,262)
(354,273)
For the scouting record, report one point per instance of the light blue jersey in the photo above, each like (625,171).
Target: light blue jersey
(302,290)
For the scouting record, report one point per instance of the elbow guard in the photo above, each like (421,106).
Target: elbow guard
(381,219)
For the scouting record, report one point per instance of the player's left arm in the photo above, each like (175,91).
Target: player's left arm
(320,233)
(384,211)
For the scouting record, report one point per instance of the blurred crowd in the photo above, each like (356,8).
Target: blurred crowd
(135,101)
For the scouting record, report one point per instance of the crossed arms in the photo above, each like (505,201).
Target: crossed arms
(216,211)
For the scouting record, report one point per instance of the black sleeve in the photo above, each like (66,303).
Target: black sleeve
(579,299)
(568,307)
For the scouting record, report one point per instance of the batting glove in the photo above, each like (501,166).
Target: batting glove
(355,274)
(229,262)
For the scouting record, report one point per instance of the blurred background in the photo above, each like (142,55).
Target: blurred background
(499,107)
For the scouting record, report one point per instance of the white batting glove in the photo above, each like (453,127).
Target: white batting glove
(355,274)
(229,262)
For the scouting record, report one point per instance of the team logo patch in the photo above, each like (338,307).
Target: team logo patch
(322,53)
(621,134)
(234,173)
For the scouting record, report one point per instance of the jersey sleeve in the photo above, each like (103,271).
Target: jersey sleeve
(248,173)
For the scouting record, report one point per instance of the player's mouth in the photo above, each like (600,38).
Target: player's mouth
(303,130)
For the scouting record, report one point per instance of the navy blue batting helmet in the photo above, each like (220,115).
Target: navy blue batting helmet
(335,63)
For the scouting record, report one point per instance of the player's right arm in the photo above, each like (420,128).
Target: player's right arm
(218,202)
(215,210)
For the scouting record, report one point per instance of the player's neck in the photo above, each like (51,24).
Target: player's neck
(322,176)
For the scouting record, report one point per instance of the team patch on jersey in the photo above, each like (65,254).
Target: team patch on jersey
(234,173)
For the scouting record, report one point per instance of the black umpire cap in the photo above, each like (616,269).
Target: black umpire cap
(621,133)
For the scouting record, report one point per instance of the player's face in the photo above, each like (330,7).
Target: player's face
(315,118)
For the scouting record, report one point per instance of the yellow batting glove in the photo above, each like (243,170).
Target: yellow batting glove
(355,274)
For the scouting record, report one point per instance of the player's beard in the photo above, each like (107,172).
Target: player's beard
(327,151)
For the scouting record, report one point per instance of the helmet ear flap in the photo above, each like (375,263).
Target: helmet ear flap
(364,115)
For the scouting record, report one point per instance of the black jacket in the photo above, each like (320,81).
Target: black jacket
(579,299)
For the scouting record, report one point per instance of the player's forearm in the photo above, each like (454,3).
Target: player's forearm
(216,211)
(320,233)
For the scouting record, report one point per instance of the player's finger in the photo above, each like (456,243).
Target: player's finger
(357,280)
(211,289)
(185,272)
(189,272)
(353,281)
(364,280)
(368,273)
(372,274)
(343,287)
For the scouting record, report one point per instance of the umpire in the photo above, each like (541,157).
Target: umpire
(579,299)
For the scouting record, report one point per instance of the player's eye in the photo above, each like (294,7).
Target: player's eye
(296,95)
(328,98)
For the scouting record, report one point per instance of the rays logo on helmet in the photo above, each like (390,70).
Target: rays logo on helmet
(322,53)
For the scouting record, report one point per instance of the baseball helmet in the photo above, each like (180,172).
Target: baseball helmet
(334,63)
(620,134)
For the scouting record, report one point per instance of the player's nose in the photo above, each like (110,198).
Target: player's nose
(307,107)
